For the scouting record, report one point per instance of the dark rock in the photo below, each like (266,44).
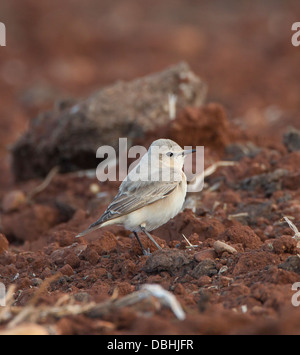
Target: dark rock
(169,260)
(253,211)
(237,151)
(69,137)
(269,182)
(292,263)
(205,268)
(291,139)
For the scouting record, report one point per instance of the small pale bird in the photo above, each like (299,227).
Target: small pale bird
(152,193)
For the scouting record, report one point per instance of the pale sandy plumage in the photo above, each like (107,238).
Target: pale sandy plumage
(142,204)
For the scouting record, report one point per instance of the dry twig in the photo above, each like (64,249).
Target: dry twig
(198,179)
(293,227)
(34,314)
(53,172)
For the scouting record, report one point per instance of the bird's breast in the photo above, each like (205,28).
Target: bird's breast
(160,212)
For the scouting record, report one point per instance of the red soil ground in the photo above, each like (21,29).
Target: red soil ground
(243,51)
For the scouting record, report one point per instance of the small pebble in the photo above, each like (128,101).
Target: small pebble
(221,247)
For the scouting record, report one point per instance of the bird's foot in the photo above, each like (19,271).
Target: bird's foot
(146,252)
(151,238)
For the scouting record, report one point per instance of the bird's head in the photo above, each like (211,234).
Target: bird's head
(168,152)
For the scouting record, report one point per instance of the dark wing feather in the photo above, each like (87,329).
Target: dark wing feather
(135,195)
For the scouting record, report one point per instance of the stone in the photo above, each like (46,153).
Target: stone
(205,254)
(70,135)
(221,247)
(204,268)
(13,200)
(169,260)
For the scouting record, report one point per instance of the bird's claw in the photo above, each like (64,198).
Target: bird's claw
(146,252)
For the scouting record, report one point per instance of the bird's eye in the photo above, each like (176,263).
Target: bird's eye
(170,154)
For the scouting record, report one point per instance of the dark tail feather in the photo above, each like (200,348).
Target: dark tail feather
(92,228)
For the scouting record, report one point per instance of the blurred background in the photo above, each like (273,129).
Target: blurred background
(63,49)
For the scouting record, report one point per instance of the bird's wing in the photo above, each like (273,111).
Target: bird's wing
(135,195)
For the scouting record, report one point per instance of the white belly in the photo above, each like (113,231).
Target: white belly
(155,215)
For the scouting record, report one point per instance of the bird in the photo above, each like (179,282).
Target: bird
(153,192)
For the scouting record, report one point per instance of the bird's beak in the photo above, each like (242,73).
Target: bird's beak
(188,151)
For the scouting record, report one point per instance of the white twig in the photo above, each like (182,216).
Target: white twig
(65,306)
(189,243)
(198,179)
(210,170)
(166,298)
(238,215)
(53,172)
(293,227)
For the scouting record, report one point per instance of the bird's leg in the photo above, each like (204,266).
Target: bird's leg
(150,237)
(145,252)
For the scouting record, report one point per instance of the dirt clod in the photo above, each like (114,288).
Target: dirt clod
(285,244)
(170,260)
(242,234)
(205,254)
(4,244)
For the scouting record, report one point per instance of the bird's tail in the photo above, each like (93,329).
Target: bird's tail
(92,228)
